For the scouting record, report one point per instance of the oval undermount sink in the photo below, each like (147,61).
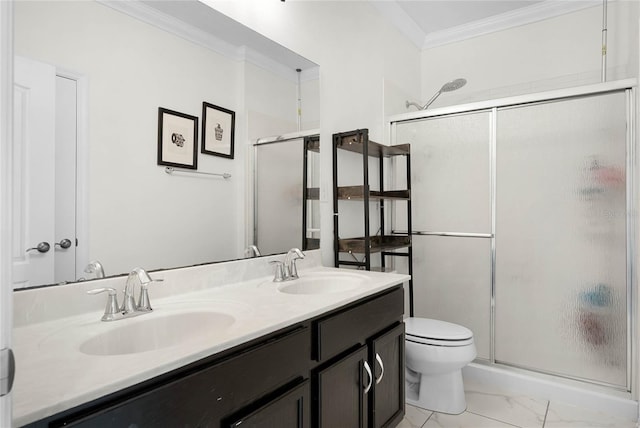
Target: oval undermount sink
(324,283)
(142,335)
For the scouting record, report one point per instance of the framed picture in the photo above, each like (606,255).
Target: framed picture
(177,139)
(218,129)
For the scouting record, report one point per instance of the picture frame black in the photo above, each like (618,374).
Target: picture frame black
(218,130)
(177,139)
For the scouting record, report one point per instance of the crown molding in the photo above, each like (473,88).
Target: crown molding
(151,16)
(526,15)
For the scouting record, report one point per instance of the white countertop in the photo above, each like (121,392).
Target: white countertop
(53,375)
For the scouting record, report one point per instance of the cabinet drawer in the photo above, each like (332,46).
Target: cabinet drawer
(204,397)
(341,331)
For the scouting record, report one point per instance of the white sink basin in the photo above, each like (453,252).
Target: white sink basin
(324,283)
(142,335)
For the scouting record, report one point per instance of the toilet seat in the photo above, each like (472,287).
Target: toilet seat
(437,333)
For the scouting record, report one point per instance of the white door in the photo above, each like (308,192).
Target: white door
(33,173)
(45,147)
(65,177)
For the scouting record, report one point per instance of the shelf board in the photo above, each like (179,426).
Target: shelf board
(352,143)
(378,243)
(313,193)
(313,145)
(357,193)
(312,243)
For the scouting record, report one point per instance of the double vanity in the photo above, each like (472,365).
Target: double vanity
(225,345)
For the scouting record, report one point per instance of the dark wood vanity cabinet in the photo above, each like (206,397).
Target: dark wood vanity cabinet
(363,384)
(308,375)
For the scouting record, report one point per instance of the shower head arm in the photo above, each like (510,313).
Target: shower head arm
(431,100)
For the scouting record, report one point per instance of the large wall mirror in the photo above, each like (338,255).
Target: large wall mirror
(90,79)
(286,198)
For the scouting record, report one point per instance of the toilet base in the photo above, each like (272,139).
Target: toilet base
(443,393)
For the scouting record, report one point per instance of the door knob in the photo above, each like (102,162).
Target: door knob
(42,247)
(64,244)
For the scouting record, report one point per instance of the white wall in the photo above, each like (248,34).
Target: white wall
(142,215)
(560,52)
(364,63)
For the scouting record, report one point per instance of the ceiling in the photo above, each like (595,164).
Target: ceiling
(434,16)
(427,23)
(430,23)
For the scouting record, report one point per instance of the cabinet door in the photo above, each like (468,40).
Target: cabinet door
(386,356)
(342,401)
(290,410)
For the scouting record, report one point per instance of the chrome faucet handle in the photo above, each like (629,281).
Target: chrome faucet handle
(279,271)
(112,311)
(144,304)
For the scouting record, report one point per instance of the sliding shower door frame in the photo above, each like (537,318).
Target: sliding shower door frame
(493,106)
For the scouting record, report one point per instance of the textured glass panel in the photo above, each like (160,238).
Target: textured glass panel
(450,172)
(313,205)
(452,282)
(279,196)
(560,238)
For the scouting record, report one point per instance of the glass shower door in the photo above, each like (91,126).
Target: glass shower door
(561,249)
(451,216)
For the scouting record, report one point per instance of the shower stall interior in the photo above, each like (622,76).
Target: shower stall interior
(523,219)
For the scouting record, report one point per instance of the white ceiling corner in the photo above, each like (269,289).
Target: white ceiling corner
(457,22)
(392,11)
(522,16)
(245,45)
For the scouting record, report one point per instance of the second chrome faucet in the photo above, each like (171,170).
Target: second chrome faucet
(129,306)
(287,270)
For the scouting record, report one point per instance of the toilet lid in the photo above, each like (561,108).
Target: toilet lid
(424,328)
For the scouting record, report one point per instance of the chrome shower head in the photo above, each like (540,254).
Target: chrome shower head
(447,87)
(453,85)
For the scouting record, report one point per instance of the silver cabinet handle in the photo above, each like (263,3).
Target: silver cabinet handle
(42,247)
(368,370)
(64,244)
(379,360)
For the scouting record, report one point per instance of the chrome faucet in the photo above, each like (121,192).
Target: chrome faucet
(129,307)
(95,267)
(129,302)
(290,269)
(287,270)
(252,251)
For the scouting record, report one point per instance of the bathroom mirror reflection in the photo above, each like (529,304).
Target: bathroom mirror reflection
(286,197)
(101,71)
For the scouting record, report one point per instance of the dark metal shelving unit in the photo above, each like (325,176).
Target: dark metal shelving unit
(388,245)
(311,144)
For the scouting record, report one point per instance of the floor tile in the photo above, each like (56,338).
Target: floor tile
(566,416)
(464,420)
(414,417)
(515,409)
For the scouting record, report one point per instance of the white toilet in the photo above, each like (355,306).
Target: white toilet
(436,352)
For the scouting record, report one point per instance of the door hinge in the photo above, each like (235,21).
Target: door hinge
(7,370)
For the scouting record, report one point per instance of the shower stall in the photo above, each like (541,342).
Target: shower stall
(524,228)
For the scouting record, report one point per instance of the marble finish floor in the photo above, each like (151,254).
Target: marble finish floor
(493,409)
